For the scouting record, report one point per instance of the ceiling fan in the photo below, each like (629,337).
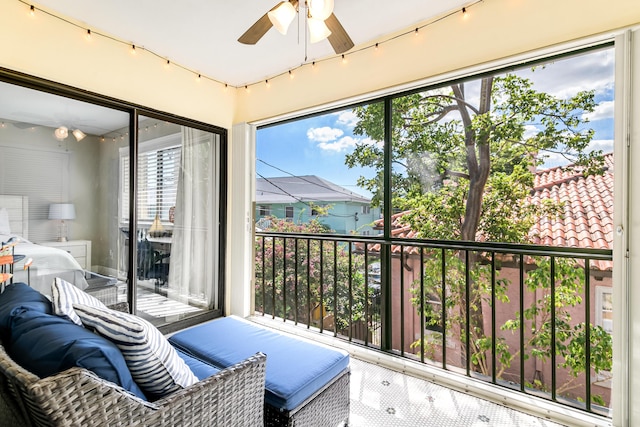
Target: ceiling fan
(321,21)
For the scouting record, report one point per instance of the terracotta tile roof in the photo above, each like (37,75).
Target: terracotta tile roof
(586,220)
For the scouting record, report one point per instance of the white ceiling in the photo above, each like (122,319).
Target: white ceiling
(201,35)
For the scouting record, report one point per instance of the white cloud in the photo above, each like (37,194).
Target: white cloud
(552,160)
(604,110)
(565,77)
(530,131)
(606,145)
(347,144)
(339,146)
(324,134)
(347,118)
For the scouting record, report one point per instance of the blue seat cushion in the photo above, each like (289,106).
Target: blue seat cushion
(296,369)
(199,368)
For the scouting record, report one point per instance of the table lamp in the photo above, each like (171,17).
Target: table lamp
(62,211)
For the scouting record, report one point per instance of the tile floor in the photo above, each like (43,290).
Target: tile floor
(381,397)
(384,398)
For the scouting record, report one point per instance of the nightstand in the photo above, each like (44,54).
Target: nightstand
(79,249)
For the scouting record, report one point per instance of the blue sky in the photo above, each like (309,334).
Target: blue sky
(317,145)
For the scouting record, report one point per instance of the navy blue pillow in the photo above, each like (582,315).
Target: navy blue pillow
(19,297)
(46,344)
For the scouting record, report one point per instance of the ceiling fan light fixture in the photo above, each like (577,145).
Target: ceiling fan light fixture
(78,134)
(320,9)
(318,30)
(282,16)
(61,133)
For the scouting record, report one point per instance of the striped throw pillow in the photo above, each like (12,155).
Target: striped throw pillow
(64,295)
(154,364)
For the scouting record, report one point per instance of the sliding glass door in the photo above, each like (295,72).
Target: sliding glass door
(59,189)
(177,233)
(151,235)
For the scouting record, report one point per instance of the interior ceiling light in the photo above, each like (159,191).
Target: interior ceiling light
(282,16)
(62,133)
(321,20)
(320,9)
(318,30)
(78,134)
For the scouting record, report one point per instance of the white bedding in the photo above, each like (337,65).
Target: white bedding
(48,263)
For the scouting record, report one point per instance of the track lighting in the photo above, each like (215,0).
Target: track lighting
(78,134)
(62,133)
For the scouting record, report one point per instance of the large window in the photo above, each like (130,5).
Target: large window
(519,158)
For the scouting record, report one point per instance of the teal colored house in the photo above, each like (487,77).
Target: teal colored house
(296,198)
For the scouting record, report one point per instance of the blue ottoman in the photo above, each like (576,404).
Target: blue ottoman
(306,383)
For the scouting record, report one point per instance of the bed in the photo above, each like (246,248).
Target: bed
(48,262)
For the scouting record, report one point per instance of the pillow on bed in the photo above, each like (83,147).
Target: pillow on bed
(154,364)
(5,228)
(64,295)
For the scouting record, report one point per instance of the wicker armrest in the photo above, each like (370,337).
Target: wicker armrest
(77,397)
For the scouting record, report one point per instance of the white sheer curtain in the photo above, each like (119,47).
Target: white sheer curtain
(194,251)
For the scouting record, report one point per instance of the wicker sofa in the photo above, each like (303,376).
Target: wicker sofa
(107,368)
(77,397)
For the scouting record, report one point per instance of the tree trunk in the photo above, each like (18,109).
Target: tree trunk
(479,165)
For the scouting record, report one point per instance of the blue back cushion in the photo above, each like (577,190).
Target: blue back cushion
(20,296)
(46,344)
(296,369)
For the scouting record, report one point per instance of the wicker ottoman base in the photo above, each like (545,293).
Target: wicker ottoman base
(327,408)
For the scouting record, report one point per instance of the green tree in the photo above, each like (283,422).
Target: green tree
(319,272)
(462,169)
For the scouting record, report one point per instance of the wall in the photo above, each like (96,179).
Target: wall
(68,164)
(495,31)
(49,48)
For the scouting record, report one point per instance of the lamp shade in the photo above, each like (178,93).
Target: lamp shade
(320,9)
(282,16)
(62,211)
(61,133)
(78,134)
(318,30)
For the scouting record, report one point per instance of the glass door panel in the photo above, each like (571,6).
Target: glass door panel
(177,234)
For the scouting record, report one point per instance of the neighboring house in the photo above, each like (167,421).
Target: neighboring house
(586,222)
(296,197)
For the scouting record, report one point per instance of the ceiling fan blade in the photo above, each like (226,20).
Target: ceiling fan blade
(257,30)
(261,26)
(339,39)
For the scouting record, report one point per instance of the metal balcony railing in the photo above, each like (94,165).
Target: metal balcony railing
(534,319)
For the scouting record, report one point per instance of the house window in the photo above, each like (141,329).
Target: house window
(158,168)
(264,210)
(604,308)
(288,212)
(366,209)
